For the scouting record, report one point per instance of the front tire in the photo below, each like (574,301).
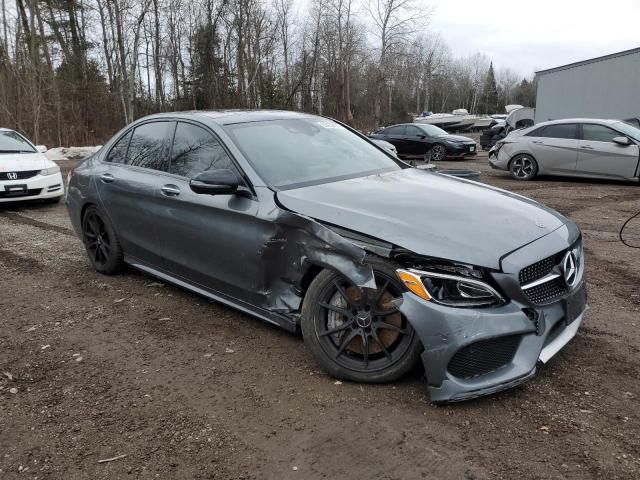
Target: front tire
(358,334)
(101,242)
(438,152)
(523,167)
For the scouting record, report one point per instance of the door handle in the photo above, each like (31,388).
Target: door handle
(587,147)
(170,190)
(537,142)
(107,178)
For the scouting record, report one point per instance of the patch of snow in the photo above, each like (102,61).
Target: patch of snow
(71,153)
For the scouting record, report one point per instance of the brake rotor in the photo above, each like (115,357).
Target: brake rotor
(387,337)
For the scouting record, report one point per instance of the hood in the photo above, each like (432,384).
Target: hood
(16,162)
(429,214)
(455,138)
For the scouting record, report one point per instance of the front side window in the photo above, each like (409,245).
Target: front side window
(13,142)
(148,145)
(397,130)
(291,153)
(414,131)
(196,150)
(561,130)
(118,153)
(598,133)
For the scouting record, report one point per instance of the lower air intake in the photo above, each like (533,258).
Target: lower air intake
(484,357)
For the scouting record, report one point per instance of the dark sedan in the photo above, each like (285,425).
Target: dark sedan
(415,140)
(304,223)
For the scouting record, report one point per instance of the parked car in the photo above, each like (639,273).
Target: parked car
(583,147)
(378,264)
(490,136)
(415,140)
(386,145)
(25,173)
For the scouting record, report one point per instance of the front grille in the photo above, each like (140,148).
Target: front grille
(539,269)
(29,193)
(484,357)
(545,292)
(20,175)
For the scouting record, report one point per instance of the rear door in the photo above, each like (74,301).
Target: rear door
(128,183)
(395,135)
(599,155)
(211,240)
(555,147)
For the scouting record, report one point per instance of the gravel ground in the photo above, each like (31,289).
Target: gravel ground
(174,386)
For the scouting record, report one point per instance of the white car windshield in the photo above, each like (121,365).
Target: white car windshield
(628,130)
(13,142)
(298,152)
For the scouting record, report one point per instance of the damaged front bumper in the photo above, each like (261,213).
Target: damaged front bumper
(471,352)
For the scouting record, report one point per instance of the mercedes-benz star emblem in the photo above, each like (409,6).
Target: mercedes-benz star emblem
(12,176)
(570,269)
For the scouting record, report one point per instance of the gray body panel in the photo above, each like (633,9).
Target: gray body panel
(429,214)
(253,250)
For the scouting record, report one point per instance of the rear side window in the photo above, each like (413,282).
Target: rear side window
(598,133)
(148,145)
(561,130)
(118,153)
(196,150)
(397,130)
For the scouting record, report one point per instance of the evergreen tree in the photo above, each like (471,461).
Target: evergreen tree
(490,93)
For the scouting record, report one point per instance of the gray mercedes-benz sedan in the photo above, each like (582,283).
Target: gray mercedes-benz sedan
(575,147)
(305,223)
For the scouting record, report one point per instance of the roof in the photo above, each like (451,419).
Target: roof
(226,117)
(602,121)
(6,130)
(591,60)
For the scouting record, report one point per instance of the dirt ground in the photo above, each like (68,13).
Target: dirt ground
(95,367)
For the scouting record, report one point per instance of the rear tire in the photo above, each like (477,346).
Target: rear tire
(438,152)
(101,242)
(358,334)
(523,167)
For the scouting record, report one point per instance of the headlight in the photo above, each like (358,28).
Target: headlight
(449,289)
(50,171)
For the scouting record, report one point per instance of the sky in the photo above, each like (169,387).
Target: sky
(534,35)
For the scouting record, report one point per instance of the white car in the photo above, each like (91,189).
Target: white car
(25,172)
(386,145)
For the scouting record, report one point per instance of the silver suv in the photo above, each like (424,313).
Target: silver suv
(583,147)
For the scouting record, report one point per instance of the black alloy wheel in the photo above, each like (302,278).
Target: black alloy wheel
(357,333)
(101,243)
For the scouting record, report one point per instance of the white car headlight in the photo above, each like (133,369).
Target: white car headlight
(50,171)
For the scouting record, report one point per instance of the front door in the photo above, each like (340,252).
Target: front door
(599,155)
(210,240)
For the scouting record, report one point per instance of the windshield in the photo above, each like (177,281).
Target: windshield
(13,142)
(431,130)
(628,130)
(297,152)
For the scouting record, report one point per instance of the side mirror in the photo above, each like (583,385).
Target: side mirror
(41,148)
(624,141)
(215,182)
(422,136)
